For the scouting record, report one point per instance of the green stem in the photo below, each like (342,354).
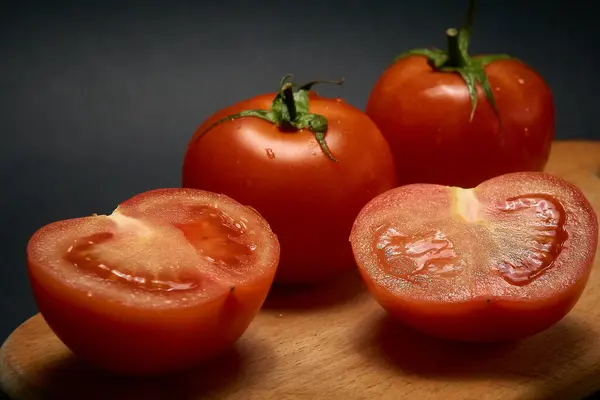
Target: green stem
(471,14)
(289,112)
(309,85)
(456,60)
(287,93)
(455,56)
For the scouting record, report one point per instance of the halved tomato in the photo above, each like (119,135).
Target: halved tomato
(501,261)
(171,278)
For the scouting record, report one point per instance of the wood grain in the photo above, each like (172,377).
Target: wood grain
(335,342)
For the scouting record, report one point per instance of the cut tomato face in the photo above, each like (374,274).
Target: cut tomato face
(171,278)
(501,261)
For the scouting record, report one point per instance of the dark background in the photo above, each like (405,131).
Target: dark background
(98,99)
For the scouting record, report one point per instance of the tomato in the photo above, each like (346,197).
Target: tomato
(501,261)
(171,278)
(452,119)
(307,163)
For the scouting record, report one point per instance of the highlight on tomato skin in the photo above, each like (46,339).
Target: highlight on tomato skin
(171,279)
(502,261)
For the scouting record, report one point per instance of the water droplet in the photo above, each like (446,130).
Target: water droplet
(89,294)
(270,153)
(521,81)
(339,100)
(497,89)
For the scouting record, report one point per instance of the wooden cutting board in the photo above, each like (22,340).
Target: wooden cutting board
(337,343)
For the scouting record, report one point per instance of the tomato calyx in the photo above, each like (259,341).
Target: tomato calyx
(289,112)
(457,60)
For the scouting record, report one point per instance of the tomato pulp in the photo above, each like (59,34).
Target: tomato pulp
(452,119)
(309,199)
(171,278)
(502,261)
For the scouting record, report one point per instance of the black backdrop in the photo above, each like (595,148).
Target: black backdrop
(99,98)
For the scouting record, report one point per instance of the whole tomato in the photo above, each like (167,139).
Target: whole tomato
(453,119)
(307,163)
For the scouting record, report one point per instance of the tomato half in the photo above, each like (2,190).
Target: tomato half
(452,119)
(502,261)
(309,198)
(171,278)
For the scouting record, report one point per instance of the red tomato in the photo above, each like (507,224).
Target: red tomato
(171,278)
(502,261)
(279,167)
(455,120)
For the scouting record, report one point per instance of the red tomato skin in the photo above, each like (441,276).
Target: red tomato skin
(424,115)
(481,321)
(139,340)
(309,201)
(145,349)
(519,312)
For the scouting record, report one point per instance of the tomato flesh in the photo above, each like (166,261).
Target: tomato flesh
(171,278)
(430,253)
(504,260)
(81,254)
(218,237)
(540,243)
